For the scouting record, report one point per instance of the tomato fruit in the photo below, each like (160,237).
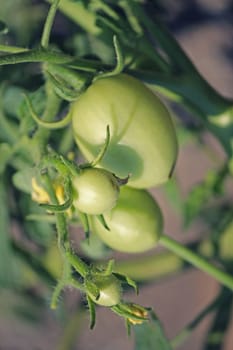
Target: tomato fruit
(143,141)
(95,191)
(135,223)
(110,290)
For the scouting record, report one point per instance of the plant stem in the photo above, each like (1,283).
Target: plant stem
(76,11)
(36,55)
(63,281)
(48,24)
(63,236)
(12,49)
(196,260)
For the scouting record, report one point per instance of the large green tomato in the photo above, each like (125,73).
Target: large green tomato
(143,141)
(135,223)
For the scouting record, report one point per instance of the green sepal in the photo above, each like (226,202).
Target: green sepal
(127,280)
(109,268)
(103,150)
(58,208)
(102,221)
(85,224)
(62,91)
(67,83)
(92,288)
(119,62)
(128,327)
(92,312)
(125,310)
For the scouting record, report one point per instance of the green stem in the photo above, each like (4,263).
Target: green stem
(79,265)
(197,261)
(167,42)
(80,15)
(63,236)
(48,24)
(61,225)
(12,49)
(47,125)
(61,284)
(40,139)
(36,55)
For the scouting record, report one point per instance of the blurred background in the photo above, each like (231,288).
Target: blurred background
(204,30)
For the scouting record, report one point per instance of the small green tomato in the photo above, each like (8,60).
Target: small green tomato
(143,141)
(110,290)
(95,191)
(135,223)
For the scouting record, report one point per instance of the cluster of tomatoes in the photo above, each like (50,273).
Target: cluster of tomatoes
(143,148)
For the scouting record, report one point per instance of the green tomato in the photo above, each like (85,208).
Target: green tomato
(110,290)
(143,141)
(135,223)
(95,191)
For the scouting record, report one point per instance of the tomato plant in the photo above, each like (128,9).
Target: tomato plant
(135,223)
(103,77)
(143,140)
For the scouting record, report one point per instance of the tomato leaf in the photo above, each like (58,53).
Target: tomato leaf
(211,186)
(150,335)
(23,179)
(9,271)
(6,152)
(38,99)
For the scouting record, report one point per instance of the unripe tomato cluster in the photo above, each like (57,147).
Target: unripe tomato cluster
(143,146)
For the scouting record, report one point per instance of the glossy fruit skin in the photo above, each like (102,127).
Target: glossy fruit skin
(95,191)
(143,141)
(110,290)
(135,223)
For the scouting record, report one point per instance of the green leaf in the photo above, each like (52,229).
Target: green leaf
(92,289)
(211,186)
(127,280)
(38,100)
(23,179)
(40,231)
(12,99)
(173,193)
(6,152)
(9,268)
(150,336)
